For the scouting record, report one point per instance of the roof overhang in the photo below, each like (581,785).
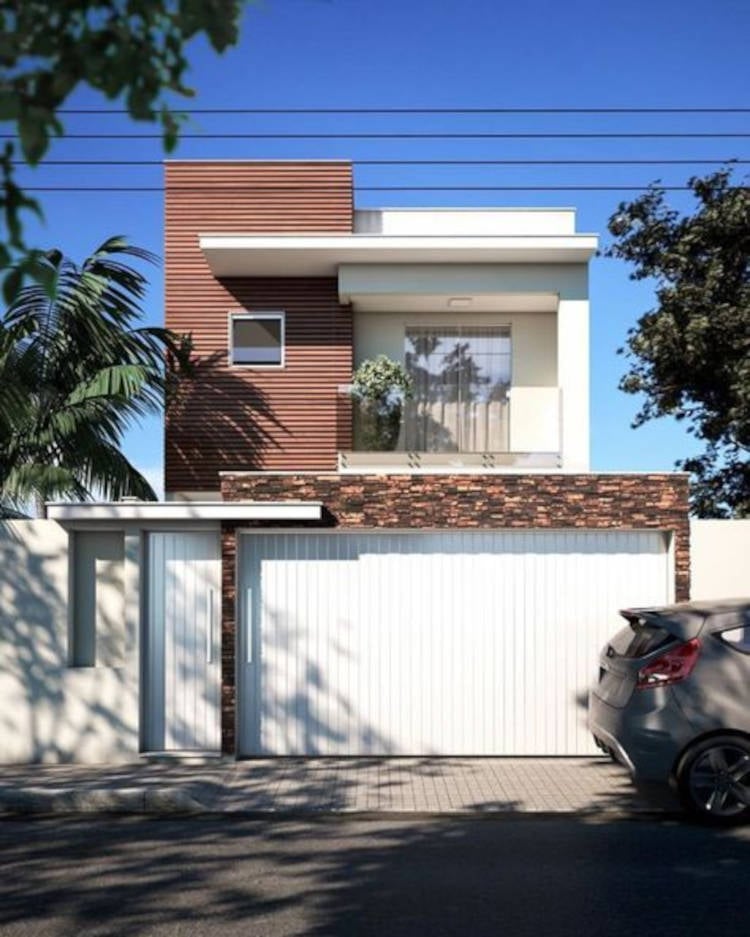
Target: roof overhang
(186,511)
(233,255)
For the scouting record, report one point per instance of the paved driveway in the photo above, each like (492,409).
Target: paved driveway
(432,785)
(377,786)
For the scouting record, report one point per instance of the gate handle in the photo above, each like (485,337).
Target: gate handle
(249,626)
(210,630)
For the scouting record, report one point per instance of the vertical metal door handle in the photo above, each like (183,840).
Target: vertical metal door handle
(249,626)
(210,629)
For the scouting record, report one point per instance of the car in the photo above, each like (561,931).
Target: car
(672,703)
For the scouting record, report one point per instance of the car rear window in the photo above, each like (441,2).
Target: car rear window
(738,638)
(637,639)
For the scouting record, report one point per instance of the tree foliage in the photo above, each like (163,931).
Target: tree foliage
(132,50)
(75,373)
(689,356)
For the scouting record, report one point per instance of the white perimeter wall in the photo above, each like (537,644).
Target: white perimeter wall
(719,559)
(51,711)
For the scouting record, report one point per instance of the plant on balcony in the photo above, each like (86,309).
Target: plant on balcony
(379,388)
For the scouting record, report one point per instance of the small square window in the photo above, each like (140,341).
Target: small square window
(257,339)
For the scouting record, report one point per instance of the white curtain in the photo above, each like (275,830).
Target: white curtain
(460,380)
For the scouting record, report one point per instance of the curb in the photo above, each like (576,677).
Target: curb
(165,801)
(69,800)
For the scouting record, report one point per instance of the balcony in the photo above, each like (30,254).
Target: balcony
(519,430)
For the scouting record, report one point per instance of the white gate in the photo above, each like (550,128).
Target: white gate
(182,707)
(474,643)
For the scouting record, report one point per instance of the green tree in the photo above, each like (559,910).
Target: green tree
(690,355)
(132,50)
(75,373)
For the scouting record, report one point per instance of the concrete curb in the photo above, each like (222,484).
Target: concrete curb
(165,801)
(70,800)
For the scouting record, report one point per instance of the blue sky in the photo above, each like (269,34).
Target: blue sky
(451,53)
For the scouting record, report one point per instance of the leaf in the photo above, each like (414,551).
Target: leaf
(32,131)
(12,284)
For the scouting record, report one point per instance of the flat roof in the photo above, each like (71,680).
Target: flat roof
(321,255)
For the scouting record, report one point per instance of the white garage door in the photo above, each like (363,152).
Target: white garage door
(471,643)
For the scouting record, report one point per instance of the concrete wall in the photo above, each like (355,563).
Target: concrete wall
(457,222)
(51,710)
(720,559)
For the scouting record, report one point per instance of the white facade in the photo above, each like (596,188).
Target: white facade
(402,268)
(107,624)
(51,708)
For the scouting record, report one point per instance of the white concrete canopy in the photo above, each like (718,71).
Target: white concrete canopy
(232,255)
(186,511)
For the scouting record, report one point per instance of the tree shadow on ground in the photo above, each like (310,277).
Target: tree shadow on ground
(459,877)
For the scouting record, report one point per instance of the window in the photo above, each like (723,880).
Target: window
(97,622)
(257,339)
(461,378)
(738,638)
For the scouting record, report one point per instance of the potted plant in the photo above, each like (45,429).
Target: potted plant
(379,388)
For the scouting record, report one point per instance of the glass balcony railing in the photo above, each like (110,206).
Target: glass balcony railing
(521,429)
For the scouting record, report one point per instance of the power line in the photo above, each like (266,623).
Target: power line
(367,188)
(424,110)
(503,135)
(435,162)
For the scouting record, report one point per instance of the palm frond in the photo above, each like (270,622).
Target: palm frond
(77,369)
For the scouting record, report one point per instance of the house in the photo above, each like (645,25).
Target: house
(306,587)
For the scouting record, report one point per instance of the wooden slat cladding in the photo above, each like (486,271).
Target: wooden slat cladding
(240,418)
(235,417)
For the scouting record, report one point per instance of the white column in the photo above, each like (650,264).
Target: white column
(573,379)
(131,674)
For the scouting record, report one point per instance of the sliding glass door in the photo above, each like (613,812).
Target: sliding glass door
(461,377)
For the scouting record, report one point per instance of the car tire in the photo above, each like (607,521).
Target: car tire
(713,779)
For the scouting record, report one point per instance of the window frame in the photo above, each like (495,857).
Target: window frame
(250,315)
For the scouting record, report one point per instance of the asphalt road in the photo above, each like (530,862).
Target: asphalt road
(546,877)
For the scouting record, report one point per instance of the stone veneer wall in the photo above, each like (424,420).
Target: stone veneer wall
(595,502)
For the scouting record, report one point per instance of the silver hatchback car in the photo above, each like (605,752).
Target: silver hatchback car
(672,702)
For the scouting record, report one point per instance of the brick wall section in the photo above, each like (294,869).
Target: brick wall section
(596,502)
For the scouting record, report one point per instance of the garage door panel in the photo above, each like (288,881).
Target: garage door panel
(439,642)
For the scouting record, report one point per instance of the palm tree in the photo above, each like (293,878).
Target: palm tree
(75,373)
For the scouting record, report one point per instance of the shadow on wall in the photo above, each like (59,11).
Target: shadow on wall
(215,419)
(308,716)
(190,684)
(50,711)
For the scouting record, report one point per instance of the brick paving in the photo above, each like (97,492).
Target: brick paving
(450,786)
(432,785)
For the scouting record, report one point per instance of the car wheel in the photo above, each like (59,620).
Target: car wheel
(714,779)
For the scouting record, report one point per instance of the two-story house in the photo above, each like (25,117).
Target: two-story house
(454,592)
(310,586)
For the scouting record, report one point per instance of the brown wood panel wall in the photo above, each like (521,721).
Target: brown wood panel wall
(239,418)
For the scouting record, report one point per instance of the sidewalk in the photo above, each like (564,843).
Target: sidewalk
(333,786)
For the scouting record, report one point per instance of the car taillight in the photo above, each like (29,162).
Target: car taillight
(671,667)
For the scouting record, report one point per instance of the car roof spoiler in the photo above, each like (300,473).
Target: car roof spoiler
(686,620)
(685,623)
